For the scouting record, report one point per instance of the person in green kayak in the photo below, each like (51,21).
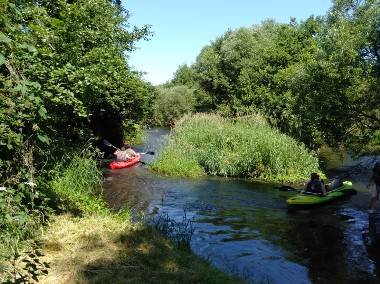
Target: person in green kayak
(375,177)
(315,185)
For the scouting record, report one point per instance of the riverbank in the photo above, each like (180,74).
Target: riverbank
(82,240)
(105,249)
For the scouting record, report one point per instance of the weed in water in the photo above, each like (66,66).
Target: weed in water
(178,232)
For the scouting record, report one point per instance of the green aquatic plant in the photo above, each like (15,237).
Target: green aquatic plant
(245,146)
(178,232)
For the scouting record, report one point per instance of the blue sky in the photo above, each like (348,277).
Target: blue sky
(183,27)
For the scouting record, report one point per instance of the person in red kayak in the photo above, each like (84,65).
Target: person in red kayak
(124,153)
(130,151)
(315,185)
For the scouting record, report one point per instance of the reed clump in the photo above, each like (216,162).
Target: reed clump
(246,146)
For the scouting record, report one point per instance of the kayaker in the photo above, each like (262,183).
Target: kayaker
(122,154)
(130,151)
(375,177)
(315,185)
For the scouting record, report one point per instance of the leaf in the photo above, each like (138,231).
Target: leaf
(29,47)
(44,139)
(42,112)
(4,38)
(2,59)
(21,87)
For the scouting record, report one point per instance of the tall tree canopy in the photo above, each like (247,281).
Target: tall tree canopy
(341,85)
(317,80)
(64,78)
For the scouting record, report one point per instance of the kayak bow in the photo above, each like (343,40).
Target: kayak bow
(308,199)
(130,162)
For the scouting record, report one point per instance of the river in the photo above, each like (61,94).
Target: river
(244,227)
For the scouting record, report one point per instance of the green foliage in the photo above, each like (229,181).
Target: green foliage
(184,75)
(172,103)
(242,71)
(245,146)
(175,161)
(75,184)
(328,92)
(316,80)
(64,79)
(68,72)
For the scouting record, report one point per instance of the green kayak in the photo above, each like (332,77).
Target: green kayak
(308,199)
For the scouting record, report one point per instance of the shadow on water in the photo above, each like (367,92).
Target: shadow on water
(245,228)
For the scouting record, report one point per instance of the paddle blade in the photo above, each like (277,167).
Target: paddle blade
(287,188)
(108,143)
(147,153)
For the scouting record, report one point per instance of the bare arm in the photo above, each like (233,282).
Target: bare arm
(323,188)
(370,178)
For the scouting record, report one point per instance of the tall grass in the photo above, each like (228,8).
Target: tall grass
(75,185)
(72,189)
(76,188)
(245,146)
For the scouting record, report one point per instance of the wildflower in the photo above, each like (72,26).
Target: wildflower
(3,188)
(30,183)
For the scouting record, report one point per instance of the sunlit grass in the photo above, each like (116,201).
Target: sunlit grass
(242,147)
(102,249)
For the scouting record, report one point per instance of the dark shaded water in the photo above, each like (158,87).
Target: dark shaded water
(245,228)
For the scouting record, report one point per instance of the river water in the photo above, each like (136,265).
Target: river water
(244,227)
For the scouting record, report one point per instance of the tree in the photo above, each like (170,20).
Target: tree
(172,103)
(316,80)
(337,93)
(64,79)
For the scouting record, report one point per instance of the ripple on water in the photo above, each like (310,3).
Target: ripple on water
(244,228)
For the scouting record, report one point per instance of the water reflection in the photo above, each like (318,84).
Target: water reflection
(372,242)
(244,227)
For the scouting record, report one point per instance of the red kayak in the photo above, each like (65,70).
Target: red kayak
(130,162)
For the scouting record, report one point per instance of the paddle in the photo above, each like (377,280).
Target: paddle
(107,143)
(300,190)
(289,188)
